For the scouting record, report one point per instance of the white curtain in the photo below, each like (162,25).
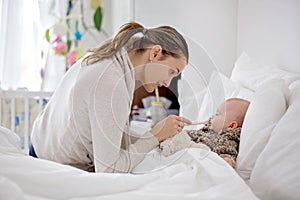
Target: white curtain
(20,57)
(23,24)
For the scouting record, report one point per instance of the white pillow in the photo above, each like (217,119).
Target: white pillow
(194,80)
(219,89)
(9,141)
(276,174)
(191,90)
(294,85)
(252,75)
(266,108)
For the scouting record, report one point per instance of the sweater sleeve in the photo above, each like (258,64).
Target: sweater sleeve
(109,109)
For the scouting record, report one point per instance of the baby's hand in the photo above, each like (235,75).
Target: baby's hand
(174,144)
(178,142)
(228,160)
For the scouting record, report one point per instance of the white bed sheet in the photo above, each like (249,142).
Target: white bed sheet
(271,121)
(188,174)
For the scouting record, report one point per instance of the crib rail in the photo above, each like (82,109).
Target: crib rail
(24,96)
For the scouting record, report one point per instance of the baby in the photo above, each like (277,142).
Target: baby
(221,133)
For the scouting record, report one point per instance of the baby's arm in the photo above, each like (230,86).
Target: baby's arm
(180,141)
(174,144)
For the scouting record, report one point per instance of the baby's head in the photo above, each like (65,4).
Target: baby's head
(230,114)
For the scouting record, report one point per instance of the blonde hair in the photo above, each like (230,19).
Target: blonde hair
(171,41)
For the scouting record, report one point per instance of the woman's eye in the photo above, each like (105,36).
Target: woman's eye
(172,72)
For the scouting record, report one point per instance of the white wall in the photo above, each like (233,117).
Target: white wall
(269,31)
(211,23)
(121,15)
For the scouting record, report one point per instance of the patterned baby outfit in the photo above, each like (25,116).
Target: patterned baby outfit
(224,143)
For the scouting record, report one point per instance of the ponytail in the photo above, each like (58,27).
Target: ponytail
(112,46)
(168,38)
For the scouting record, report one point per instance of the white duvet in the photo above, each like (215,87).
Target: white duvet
(188,174)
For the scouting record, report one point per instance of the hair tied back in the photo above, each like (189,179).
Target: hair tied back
(145,31)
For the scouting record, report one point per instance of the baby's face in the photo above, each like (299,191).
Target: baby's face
(220,120)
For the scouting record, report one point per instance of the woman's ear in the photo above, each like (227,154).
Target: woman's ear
(155,52)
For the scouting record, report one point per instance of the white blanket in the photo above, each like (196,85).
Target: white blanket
(188,174)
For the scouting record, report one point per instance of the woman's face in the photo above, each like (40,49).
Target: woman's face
(161,72)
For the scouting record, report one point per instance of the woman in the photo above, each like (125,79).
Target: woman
(86,122)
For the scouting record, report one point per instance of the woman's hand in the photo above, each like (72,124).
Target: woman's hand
(169,127)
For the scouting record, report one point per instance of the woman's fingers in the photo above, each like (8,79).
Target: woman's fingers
(169,127)
(179,123)
(185,121)
(182,120)
(179,130)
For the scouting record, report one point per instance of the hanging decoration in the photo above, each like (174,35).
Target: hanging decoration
(64,39)
(98,18)
(95,4)
(75,55)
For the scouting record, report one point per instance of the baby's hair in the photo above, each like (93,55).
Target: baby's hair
(242,111)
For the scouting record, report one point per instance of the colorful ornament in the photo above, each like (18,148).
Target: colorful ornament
(57,39)
(95,4)
(61,48)
(71,58)
(75,55)
(78,35)
(79,52)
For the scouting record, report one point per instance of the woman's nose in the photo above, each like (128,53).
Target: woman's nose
(166,83)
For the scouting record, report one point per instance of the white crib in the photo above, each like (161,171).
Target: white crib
(19,108)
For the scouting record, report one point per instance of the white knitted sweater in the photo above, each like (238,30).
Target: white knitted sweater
(85,121)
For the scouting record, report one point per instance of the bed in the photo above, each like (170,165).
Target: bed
(268,162)
(194,175)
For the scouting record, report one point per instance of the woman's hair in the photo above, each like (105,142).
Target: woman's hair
(172,42)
